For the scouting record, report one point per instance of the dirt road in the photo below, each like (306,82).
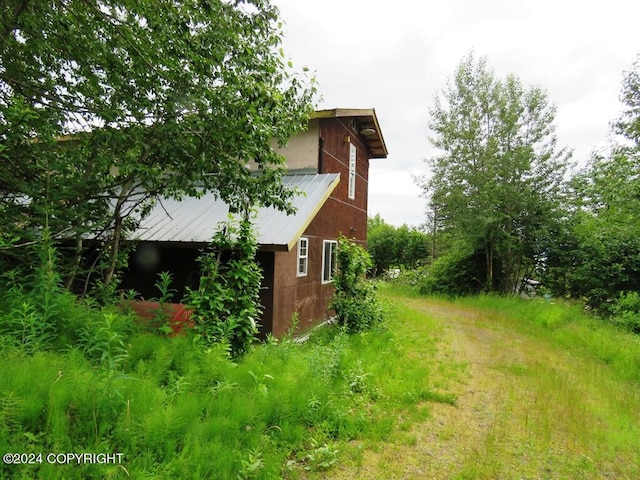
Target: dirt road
(525,409)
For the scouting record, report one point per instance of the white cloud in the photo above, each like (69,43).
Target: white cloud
(395,57)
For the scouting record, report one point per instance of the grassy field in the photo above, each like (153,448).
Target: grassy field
(479,388)
(543,392)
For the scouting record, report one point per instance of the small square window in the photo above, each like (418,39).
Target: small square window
(303,257)
(329,260)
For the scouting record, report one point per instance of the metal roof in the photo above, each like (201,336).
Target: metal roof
(194,220)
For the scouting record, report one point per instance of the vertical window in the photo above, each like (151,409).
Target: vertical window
(303,257)
(352,171)
(329,260)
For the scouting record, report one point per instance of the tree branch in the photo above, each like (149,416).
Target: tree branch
(9,26)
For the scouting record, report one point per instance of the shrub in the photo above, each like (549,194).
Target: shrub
(455,273)
(227,303)
(354,303)
(626,311)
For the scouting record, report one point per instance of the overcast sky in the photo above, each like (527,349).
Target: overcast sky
(396,56)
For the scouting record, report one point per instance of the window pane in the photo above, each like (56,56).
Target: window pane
(302,256)
(328,260)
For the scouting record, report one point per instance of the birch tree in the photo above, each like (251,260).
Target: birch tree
(496,181)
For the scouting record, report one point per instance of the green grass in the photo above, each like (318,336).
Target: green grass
(570,327)
(175,410)
(300,411)
(565,392)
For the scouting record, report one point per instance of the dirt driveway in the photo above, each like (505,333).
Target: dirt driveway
(525,410)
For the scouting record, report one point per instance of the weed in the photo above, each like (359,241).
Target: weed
(251,465)
(321,457)
(163,316)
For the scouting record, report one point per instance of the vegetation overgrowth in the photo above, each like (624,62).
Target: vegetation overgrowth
(354,302)
(89,379)
(226,305)
(175,408)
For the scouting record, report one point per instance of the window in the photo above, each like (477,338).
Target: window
(329,260)
(303,257)
(352,171)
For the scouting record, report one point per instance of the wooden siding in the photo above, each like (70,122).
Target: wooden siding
(308,296)
(349,217)
(305,296)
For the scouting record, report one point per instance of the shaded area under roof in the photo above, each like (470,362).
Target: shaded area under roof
(366,119)
(193,221)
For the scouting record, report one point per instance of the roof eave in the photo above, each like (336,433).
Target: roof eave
(366,118)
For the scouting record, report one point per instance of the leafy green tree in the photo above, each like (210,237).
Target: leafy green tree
(106,105)
(496,183)
(391,246)
(597,253)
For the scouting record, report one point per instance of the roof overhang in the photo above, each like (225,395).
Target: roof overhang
(191,222)
(368,126)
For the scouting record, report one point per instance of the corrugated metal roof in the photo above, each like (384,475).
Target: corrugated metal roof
(194,220)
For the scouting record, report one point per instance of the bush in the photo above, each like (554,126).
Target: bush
(354,303)
(227,303)
(455,273)
(626,311)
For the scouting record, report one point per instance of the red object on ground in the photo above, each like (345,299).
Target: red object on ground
(178,315)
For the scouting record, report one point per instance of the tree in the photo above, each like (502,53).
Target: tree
(391,246)
(597,254)
(495,185)
(107,105)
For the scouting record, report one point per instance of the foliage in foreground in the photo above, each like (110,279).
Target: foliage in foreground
(107,106)
(177,409)
(354,302)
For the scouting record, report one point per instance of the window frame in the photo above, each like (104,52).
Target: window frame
(333,259)
(302,256)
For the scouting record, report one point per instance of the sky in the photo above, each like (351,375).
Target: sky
(396,57)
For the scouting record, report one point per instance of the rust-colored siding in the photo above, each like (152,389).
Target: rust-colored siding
(347,216)
(308,296)
(305,296)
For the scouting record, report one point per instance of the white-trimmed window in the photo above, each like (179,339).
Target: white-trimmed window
(329,260)
(352,171)
(303,256)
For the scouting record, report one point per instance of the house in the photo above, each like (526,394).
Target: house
(329,163)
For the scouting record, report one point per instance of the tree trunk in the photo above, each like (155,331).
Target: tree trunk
(489,258)
(114,249)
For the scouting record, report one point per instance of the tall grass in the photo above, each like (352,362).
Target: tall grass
(571,327)
(175,409)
